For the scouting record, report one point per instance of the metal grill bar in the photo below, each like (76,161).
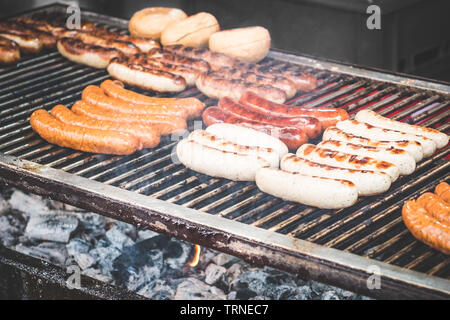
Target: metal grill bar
(235,216)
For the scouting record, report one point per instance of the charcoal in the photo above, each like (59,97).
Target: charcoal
(51,227)
(302,293)
(118,238)
(157,290)
(30,205)
(50,251)
(84,260)
(93,224)
(135,257)
(77,246)
(194,289)
(232,295)
(144,276)
(4,206)
(176,254)
(223,259)
(330,295)
(105,256)
(258,298)
(213,273)
(255,280)
(234,271)
(127,229)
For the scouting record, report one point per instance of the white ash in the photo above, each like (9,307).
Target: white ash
(151,264)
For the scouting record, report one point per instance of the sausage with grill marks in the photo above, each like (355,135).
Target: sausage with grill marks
(145,78)
(182,107)
(327,116)
(400,158)
(368,131)
(367,182)
(26,43)
(210,140)
(292,137)
(82,138)
(314,191)
(88,54)
(163,123)
(189,74)
(311,126)
(9,51)
(24,34)
(435,206)
(175,59)
(148,136)
(346,160)
(374,119)
(127,48)
(213,85)
(218,163)
(414,148)
(214,59)
(279,82)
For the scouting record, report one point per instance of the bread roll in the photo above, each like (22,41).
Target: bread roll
(150,22)
(249,44)
(192,32)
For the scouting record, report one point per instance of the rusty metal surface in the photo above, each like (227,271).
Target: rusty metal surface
(149,190)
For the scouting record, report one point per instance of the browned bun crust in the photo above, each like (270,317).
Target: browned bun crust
(193,31)
(150,22)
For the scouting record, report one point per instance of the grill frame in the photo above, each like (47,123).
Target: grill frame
(252,243)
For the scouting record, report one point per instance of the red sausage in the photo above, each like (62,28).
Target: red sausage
(327,116)
(311,126)
(293,137)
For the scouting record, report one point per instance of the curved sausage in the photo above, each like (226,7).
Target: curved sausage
(425,228)
(292,137)
(163,123)
(148,136)
(81,138)
(172,58)
(327,116)
(311,126)
(216,60)
(26,43)
(443,191)
(435,206)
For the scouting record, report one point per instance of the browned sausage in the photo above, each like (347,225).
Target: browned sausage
(443,191)
(165,124)
(216,60)
(81,138)
(9,51)
(425,228)
(148,136)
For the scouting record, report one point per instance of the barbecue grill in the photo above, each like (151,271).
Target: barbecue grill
(340,247)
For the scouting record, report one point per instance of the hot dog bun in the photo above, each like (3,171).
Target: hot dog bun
(150,22)
(249,44)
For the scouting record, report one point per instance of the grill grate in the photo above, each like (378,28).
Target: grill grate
(372,228)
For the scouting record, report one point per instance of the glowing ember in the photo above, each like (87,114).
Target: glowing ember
(196,258)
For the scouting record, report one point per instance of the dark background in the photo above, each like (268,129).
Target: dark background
(414,36)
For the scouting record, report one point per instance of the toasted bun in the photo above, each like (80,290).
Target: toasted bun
(193,31)
(249,44)
(150,22)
